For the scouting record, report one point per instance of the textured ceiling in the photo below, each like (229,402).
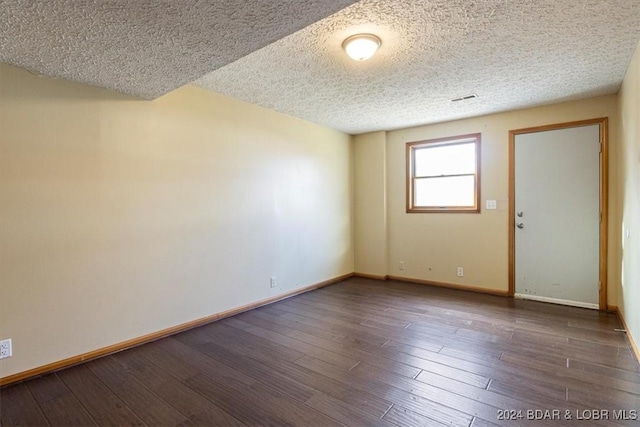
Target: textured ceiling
(145,47)
(512,53)
(286,54)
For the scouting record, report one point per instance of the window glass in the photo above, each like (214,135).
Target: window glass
(451,159)
(455,191)
(443,175)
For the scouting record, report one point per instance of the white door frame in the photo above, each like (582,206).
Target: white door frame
(604,198)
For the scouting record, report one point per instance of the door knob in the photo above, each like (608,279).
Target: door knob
(520,225)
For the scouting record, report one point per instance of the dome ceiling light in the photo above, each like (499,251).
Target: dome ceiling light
(361,47)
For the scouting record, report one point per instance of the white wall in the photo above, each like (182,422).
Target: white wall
(121,217)
(629,192)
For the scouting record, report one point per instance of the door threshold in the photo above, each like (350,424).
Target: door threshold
(557,301)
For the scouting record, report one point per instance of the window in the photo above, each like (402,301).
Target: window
(443,175)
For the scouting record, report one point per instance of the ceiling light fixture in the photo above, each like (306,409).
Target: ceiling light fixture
(361,47)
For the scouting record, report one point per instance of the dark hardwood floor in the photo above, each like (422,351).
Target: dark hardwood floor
(358,353)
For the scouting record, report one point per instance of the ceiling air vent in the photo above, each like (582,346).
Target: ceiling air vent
(464,98)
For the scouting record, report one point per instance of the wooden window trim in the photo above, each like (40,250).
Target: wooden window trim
(410,167)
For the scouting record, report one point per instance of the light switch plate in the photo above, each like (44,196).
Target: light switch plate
(491,204)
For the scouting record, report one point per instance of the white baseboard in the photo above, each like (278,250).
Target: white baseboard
(557,301)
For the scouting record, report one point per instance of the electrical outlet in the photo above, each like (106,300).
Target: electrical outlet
(460,272)
(401,265)
(273,282)
(5,349)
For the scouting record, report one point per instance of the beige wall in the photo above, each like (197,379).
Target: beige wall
(433,245)
(628,182)
(121,217)
(370,202)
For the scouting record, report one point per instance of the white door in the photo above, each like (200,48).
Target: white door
(557,205)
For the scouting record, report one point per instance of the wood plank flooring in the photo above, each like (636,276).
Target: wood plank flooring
(358,353)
